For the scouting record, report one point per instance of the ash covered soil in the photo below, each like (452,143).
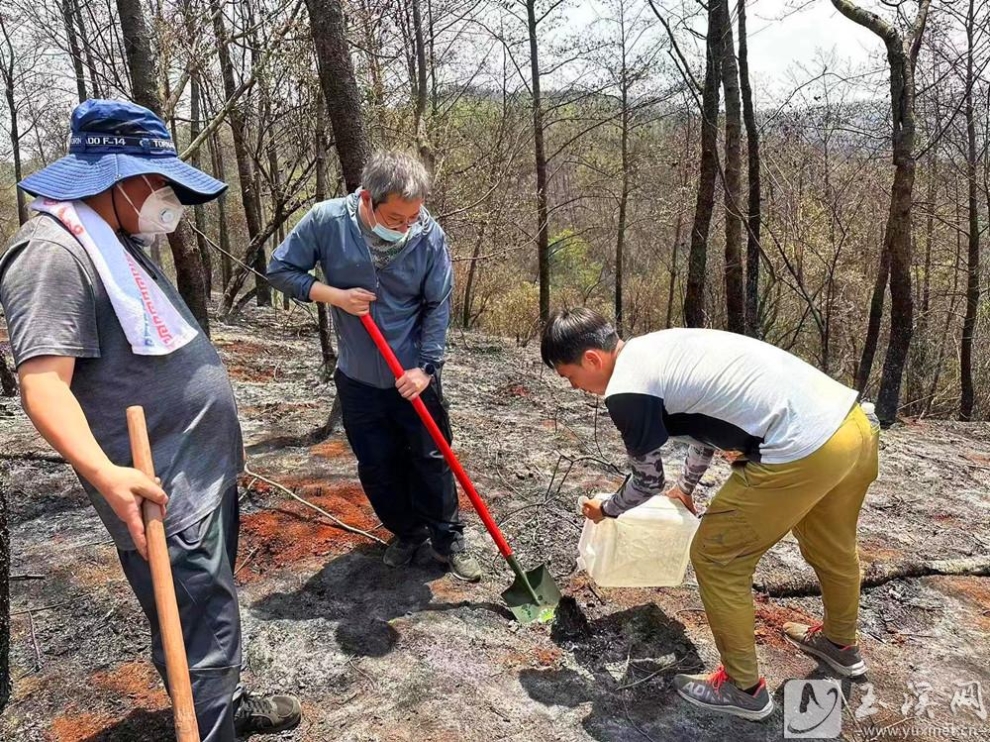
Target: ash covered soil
(394,655)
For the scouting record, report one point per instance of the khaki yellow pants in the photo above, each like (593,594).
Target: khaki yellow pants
(819,499)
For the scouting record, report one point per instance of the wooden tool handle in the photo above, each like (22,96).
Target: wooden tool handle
(180,687)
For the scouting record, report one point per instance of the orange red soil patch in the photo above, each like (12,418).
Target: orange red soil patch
(138,681)
(290,532)
(242,373)
(74,727)
(770,619)
(331,449)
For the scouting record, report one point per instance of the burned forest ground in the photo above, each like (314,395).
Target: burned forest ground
(394,655)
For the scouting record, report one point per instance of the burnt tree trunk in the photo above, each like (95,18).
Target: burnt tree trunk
(189,275)
(199,212)
(322,310)
(620,237)
(694,296)
(539,148)
(75,52)
(220,173)
(8,380)
(426,152)
(8,71)
(735,303)
(343,105)
(754,210)
(968,397)
(340,90)
(245,174)
(902,56)
(94,85)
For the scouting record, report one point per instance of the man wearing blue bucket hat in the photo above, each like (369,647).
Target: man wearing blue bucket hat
(95,326)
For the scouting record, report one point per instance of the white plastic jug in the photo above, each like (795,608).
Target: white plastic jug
(647,546)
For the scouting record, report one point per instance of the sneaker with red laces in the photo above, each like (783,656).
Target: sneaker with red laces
(846,661)
(717,692)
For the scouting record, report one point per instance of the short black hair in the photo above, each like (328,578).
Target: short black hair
(570,332)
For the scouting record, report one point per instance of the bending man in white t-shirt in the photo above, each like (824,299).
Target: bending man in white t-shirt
(806,455)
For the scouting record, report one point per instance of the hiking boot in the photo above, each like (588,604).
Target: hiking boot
(846,661)
(400,551)
(266,714)
(717,692)
(462,565)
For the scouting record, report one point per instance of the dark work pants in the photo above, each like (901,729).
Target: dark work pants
(202,557)
(402,471)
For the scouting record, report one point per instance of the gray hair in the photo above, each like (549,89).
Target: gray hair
(393,171)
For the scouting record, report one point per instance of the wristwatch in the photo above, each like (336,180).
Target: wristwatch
(429,368)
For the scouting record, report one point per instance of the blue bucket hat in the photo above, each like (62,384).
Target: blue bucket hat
(112,140)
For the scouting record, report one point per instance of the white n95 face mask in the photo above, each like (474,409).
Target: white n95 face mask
(160,213)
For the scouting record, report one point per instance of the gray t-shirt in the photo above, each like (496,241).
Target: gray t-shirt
(56,305)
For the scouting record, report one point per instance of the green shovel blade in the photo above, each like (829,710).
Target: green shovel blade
(532,596)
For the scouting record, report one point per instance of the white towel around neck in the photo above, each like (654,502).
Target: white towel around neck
(153,326)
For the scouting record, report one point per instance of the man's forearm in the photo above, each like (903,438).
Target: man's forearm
(647,480)
(695,465)
(325,294)
(57,415)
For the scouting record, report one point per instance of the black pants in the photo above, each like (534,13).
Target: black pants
(401,469)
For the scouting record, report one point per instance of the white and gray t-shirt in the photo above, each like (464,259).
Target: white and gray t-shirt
(718,390)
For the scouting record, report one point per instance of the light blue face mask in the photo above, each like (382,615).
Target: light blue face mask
(389,235)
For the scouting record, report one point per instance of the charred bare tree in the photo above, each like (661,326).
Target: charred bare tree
(8,71)
(902,55)
(426,152)
(694,298)
(343,105)
(238,129)
(754,211)
(199,211)
(189,275)
(340,90)
(735,305)
(68,17)
(968,398)
(539,149)
(8,381)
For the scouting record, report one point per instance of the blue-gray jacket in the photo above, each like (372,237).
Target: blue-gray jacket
(413,291)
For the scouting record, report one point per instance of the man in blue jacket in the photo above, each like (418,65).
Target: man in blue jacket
(383,253)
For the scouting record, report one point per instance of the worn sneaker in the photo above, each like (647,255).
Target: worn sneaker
(846,661)
(718,693)
(266,714)
(462,565)
(400,551)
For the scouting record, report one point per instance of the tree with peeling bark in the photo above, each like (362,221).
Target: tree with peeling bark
(902,56)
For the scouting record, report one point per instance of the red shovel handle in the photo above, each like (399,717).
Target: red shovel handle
(448,453)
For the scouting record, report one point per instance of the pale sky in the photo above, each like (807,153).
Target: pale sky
(780,38)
